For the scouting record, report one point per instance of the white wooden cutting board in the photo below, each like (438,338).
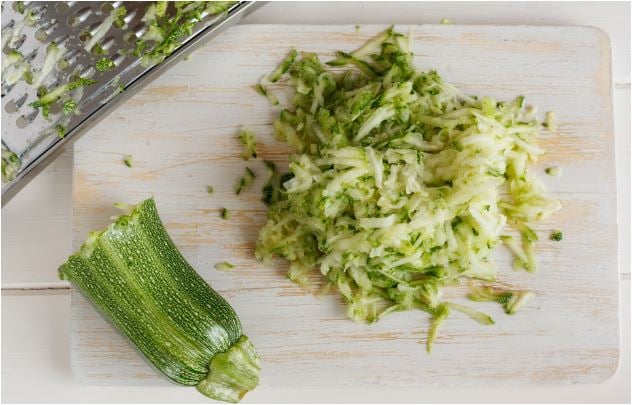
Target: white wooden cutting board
(181,132)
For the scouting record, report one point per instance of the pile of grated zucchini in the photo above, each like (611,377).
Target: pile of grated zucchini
(400,185)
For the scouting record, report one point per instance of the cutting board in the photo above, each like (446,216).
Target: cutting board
(181,132)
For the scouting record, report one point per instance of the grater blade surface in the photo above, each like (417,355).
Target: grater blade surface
(84,34)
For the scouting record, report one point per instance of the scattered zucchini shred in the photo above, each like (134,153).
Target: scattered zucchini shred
(439,315)
(446,21)
(209,189)
(394,186)
(128,160)
(277,73)
(224,213)
(270,192)
(550,121)
(283,67)
(245,181)
(165,31)
(511,301)
(554,171)
(247,139)
(263,90)
(224,266)
(556,236)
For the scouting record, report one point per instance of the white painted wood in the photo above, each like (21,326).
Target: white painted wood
(36,330)
(38,220)
(181,132)
(611,16)
(623,157)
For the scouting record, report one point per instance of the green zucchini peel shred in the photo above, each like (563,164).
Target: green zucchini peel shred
(224,266)
(128,160)
(262,89)
(556,236)
(511,301)
(247,139)
(245,181)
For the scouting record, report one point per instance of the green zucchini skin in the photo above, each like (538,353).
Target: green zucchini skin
(135,276)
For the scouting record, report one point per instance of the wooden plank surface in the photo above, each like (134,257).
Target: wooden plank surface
(181,132)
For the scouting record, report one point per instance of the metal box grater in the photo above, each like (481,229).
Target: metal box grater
(30,141)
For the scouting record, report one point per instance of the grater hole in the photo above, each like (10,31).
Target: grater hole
(71,57)
(53,84)
(31,55)
(5,31)
(84,36)
(129,37)
(87,72)
(139,30)
(20,41)
(6,88)
(15,6)
(79,17)
(118,59)
(45,30)
(62,6)
(25,120)
(107,43)
(49,86)
(62,40)
(8,25)
(14,105)
(38,11)
(106,7)
(94,27)
(129,17)
(63,64)
(21,122)
(41,35)
(55,109)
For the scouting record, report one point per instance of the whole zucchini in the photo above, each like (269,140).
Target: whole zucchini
(135,276)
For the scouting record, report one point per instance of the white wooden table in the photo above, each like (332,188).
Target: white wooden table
(36,234)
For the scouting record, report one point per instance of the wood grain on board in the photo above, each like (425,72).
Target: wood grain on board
(181,131)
